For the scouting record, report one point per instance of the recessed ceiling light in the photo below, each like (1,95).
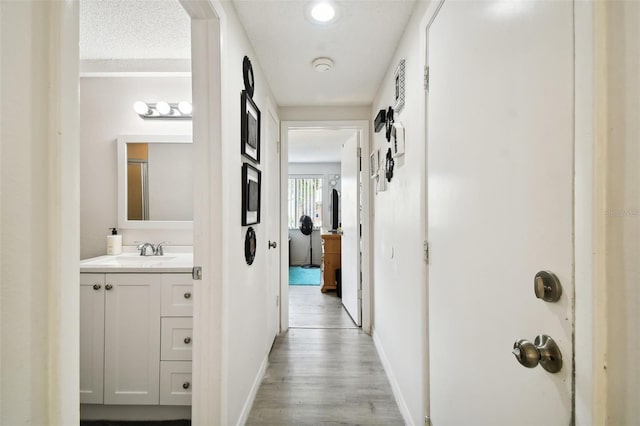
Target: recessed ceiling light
(322,64)
(322,12)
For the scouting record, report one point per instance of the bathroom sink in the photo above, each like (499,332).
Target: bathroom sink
(129,261)
(133,262)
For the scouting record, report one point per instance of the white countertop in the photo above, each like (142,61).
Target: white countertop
(133,262)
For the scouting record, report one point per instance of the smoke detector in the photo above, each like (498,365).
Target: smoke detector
(322,64)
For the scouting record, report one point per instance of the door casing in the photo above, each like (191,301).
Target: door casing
(361,126)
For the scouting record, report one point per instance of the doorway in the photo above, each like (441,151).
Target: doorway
(308,160)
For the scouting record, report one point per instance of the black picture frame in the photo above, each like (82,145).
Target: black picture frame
(249,128)
(251,194)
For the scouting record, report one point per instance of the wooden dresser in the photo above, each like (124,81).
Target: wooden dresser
(331,254)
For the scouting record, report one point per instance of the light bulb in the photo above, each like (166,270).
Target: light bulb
(185,107)
(163,108)
(323,12)
(141,108)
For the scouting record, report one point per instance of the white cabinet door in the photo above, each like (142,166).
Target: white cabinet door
(132,338)
(91,338)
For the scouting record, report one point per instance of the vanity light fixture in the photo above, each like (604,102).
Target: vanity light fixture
(322,12)
(164,110)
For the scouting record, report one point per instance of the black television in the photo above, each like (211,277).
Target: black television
(335,205)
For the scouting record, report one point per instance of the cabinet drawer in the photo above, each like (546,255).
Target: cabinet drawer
(177,295)
(175,383)
(176,339)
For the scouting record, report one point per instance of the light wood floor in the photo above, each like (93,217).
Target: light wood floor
(323,376)
(310,308)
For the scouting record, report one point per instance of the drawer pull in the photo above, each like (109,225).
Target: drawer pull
(187,340)
(186,385)
(97,286)
(187,295)
(108,287)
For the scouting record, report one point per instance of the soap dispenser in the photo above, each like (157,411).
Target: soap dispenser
(114,242)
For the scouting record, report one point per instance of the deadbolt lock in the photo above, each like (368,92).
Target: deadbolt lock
(543,351)
(547,287)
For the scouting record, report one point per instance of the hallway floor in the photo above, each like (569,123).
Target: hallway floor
(310,308)
(323,376)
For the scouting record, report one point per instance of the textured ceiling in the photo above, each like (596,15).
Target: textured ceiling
(317,146)
(134,29)
(361,43)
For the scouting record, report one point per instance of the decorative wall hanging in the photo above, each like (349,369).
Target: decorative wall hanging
(389,166)
(250,246)
(397,140)
(249,128)
(389,124)
(398,77)
(251,186)
(373,164)
(380,120)
(247,76)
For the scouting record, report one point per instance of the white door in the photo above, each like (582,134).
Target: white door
(500,169)
(272,197)
(350,215)
(132,339)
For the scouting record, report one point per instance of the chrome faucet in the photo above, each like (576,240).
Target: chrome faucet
(144,249)
(159,250)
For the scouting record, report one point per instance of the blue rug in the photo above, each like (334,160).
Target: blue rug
(302,276)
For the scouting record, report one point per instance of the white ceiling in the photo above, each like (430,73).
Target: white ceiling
(317,146)
(361,43)
(134,29)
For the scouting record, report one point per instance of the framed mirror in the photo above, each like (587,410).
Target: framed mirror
(155,182)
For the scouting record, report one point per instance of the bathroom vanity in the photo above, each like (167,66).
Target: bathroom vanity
(135,330)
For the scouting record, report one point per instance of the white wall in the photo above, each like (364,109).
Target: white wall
(623,212)
(399,300)
(106,111)
(39,289)
(299,247)
(247,307)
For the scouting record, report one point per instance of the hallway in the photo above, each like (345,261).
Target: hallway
(326,375)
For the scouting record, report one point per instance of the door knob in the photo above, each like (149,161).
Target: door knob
(543,351)
(547,287)
(272,244)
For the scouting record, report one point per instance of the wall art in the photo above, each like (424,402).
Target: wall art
(389,164)
(373,163)
(397,140)
(250,246)
(251,188)
(398,78)
(247,76)
(249,128)
(389,124)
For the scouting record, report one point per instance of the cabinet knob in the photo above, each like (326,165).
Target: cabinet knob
(108,287)
(187,340)
(186,385)
(97,286)
(187,295)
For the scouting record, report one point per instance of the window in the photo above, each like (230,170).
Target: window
(305,198)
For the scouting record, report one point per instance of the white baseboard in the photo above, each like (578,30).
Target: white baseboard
(246,408)
(395,387)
